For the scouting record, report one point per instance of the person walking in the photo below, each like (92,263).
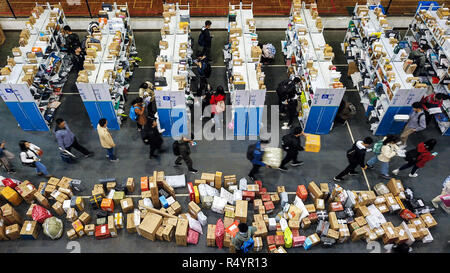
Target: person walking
(387,152)
(255,154)
(418,157)
(218,106)
(106,139)
(77,57)
(244,234)
(67,140)
(6,157)
(151,136)
(445,192)
(137,113)
(433,101)
(204,40)
(287,101)
(355,156)
(147,93)
(29,156)
(416,123)
(72,41)
(203,67)
(292,144)
(182,150)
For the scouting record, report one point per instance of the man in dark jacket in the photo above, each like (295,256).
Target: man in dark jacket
(184,152)
(355,156)
(257,158)
(292,144)
(245,233)
(150,135)
(205,42)
(78,59)
(72,40)
(286,91)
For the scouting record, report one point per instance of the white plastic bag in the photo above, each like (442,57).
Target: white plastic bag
(283,198)
(237,195)
(218,204)
(283,224)
(202,218)
(195,225)
(176,181)
(227,195)
(243,184)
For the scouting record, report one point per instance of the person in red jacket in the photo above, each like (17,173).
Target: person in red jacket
(419,157)
(218,106)
(433,101)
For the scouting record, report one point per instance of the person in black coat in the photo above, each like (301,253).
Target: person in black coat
(72,40)
(292,144)
(355,156)
(286,92)
(151,136)
(78,59)
(183,153)
(205,42)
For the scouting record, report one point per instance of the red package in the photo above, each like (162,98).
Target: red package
(248,195)
(192,237)
(336,206)
(270,240)
(191,191)
(302,193)
(407,214)
(259,182)
(220,233)
(233,229)
(9,182)
(269,206)
(313,217)
(272,248)
(39,214)
(298,241)
(279,240)
(144,184)
(265,197)
(295,232)
(262,191)
(102,232)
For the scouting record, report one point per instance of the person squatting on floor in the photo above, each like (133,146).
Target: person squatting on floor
(255,155)
(388,150)
(355,156)
(243,236)
(6,157)
(418,157)
(292,144)
(67,140)
(29,156)
(106,139)
(182,150)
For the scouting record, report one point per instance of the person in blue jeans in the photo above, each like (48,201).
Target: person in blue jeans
(255,155)
(106,139)
(388,151)
(30,157)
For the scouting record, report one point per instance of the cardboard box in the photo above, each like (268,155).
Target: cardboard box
(102,232)
(57,207)
(310,208)
(181,232)
(428,220)
(71,234)
(362,211)
(107,205)
(127,205)
(358,234)
(130,184)
(10,215)
(314,190)
(176,207)
(85,218)
(89,229)
(168,232)
(275,198)
(78,227)
(42,200)
(319,204)
(261,229)
(131,226)
(294,224)
(241,211)
(218,180)
(200,181)
(211,236)
(333,220)
(30,230)
(302,193)
(395,186)
(150,225)
(361,221)
(194,209)
(390,233)
(306,223)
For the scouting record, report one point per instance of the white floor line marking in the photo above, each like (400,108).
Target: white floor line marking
(353,140)
(182,195)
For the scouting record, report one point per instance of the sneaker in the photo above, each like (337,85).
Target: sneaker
(434,204)
(396,171)
(285,127)
(283,169)
(402,147)
(370,167)
(40,174)
(201,118)
(298,163)
(353,173)
(114,160)
(107,156)
(337,179)
(387,177)
(213,121)
(193,171)
(413,175)
(178,164)
(89,155)
(161,131)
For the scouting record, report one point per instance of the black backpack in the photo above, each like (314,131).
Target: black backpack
(283,88)
(412,155)
(176,148)
(251,151)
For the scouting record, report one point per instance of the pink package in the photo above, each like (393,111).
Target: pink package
(446,200)
(298,241)
(192,237)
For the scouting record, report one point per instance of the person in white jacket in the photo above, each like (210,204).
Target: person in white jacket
(106,139)
(30,157)
(388,151)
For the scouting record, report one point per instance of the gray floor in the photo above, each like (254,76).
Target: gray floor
(226,156)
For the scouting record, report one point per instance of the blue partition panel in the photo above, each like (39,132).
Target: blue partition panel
(165,120)
(20,116)
(240,121)
(320,119)
(388,125)
(107,112)
(94,112)
(254,120)
(34,115)
(178,121)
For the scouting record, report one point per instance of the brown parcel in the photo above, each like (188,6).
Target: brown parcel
(333,220)
(358,234)
(130,184)
(13,232)
(211,236)
(30,228)
(42,200)
(395,186)
(159,233)
(131,227)
(428,220)
(89,229)
(181,232)
(240,213)
(150,225)
(168,232)
(333,234)
(127,205)
(111,226)
(314,190)
(194,209)
(85,218)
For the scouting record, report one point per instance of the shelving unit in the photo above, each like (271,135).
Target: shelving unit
(102,83)
(320,91)
(173,71)
(32,80)
(243,69)
(384,87)
(427,27)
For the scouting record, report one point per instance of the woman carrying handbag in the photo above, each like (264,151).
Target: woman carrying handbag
(30,157)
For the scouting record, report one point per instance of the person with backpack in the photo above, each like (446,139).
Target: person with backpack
(416,123)
(355,156)
(137,113)
(217,103)
(67,140)
(203,67)
(29,156)
(182,150)
(345,112)
(72,41)
(384,154)
(106,139)
(202,91)
(204,40)
(243,241)
(151,136)
(285,90)
(6,157)
(417,158)
(147,93)
(255,154)
(292,144)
